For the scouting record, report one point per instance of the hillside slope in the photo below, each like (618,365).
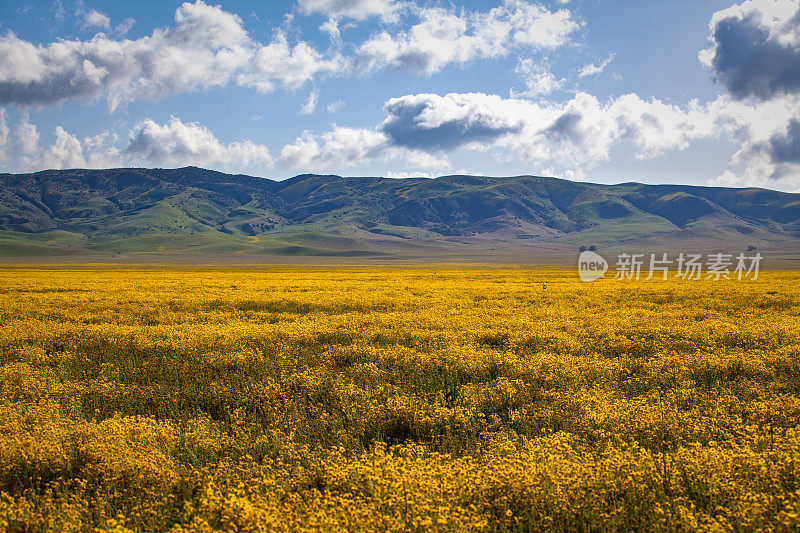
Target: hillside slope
(192,209)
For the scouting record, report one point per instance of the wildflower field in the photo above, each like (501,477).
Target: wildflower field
(396,399)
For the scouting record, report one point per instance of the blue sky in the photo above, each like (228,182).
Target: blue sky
(611,91)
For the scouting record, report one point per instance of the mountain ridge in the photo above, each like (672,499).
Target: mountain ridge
(135,210)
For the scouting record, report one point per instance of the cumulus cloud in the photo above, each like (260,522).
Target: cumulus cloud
(592,69)
(344,147)
(431,122)
(754,48)
(171,144)
(754,52)
(279,63)
(206,47)
(442,37)
(338,148)
(768,136)
(578,133)
(354,9)
(66,150)
(178,144)
(784,147)
(95,19)
(655,127)
(575,135)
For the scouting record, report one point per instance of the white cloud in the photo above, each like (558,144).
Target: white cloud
(577,134)
(754,52)
(593,69)
(206,47)
(421,160)
(288,66)
(172,144)
(123,27)
(95,19)
(354,9)
(655,127)
(311,103)
(754,48)
(442,37)
(338,148)
(404,174)
(768,136)
(533,25)
(335,107)
(178,144)
(431,122)
(65,152)
(572,136)
(331,27)
(347,147)
(538,79)
(27,137)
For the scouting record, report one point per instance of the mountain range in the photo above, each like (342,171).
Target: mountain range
(139,212)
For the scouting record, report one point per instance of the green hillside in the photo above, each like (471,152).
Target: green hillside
(175,211)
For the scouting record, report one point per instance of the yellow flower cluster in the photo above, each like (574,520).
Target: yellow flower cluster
(402,399)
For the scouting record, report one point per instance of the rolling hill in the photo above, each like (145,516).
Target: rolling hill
(192,210)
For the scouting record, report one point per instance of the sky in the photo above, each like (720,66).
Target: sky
(612,91)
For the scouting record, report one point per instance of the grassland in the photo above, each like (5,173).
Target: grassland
(403,399)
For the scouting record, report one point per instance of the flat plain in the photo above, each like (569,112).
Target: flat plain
(404,399)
